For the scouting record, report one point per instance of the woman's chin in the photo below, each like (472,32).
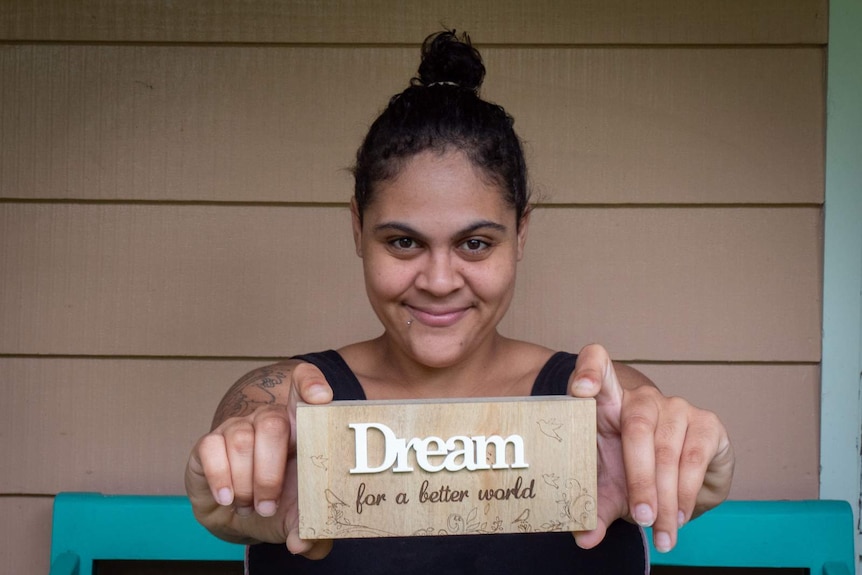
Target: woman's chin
(438,354)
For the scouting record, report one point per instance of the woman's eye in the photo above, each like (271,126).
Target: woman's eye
(403,243)
(475,245)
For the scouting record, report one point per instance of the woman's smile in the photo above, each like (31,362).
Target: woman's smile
(437,317)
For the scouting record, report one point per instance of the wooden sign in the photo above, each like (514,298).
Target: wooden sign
(448,467)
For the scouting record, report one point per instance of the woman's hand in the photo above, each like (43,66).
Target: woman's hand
(661,461)
(241,477)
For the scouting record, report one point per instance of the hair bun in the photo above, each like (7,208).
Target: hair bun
(448,59)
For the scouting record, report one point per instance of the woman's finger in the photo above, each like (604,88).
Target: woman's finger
(271,440)
(239,445)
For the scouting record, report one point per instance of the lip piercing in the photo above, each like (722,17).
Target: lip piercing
(409,322)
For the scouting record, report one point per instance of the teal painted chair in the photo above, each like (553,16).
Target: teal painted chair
(88,527)
(817,535)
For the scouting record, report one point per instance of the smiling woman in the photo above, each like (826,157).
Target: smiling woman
(440,218)
(439,247)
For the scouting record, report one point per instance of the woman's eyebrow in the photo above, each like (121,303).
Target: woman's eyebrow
(481,225)
(398,227)
(411,231)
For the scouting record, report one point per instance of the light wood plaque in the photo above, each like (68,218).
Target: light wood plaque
(446,467)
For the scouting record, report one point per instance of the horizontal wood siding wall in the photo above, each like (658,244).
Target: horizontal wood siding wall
(173,190)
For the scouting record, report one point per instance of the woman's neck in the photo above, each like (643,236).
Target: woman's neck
(500,367)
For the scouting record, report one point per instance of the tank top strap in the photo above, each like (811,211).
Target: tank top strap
(344,384)
(553,379)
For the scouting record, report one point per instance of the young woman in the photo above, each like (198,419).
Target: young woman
(440,218)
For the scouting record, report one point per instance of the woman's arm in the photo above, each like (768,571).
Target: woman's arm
(241,477)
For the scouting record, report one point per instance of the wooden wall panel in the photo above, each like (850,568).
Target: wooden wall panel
(378,21)
(179,280)
(772,413)
(25,534)
(669,125)
(150,413)
(115,426)
(731,284)
(281,124)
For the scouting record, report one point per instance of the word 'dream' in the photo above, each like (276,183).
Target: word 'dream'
(457,453)
(446,467)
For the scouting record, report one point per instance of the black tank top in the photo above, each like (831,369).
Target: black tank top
(622,551)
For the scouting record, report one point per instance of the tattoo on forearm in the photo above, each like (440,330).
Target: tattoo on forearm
(253,390)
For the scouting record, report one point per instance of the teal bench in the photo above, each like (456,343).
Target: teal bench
(88,527)
(817,535)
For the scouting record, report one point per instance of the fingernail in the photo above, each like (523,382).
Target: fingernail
(266,508)
(317,392)
(662,542)
(244,511)
(225,496)
(643,515)
(680,519)
(582,386)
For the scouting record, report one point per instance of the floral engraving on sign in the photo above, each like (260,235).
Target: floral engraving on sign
(576,503)
(457,524)
(339,523)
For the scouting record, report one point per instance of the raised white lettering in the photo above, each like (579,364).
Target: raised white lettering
(466,453)
(361,432)
(499,444)
(457,453)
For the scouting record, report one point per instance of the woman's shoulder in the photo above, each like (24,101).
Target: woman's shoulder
(360,355)
(526,362)
(526,354)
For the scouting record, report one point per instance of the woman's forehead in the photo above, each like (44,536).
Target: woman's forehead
(440,183)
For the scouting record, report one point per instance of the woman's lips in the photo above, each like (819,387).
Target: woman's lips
(437,317)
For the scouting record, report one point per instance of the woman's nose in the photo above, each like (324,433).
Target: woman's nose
(440,274)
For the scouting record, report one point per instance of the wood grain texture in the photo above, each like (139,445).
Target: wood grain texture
(127,426)
(282,124)
(377,21)
(710,284)
(429,468)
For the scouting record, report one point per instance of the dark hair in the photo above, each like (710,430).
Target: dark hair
(441,110)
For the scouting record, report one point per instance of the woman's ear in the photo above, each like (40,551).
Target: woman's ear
(522,232)
(357,226)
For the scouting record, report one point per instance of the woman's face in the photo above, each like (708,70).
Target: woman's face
(439,247)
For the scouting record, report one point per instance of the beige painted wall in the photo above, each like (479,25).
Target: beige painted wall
(173,192)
